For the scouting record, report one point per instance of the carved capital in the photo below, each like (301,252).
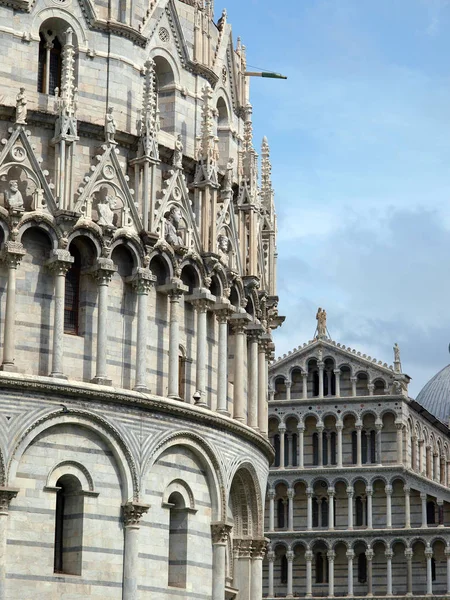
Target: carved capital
(220,532)
(6,495)
(132,513)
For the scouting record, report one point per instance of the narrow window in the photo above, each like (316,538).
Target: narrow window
(354,447)
(431,516)
(68,526)
(72,294)
(364,447)
(362,568)
(178,536)
(276,445)
(284,569)
(280,513)
(315,441)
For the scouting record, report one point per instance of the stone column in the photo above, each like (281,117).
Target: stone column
(290,560)
(407,491)
(429,556)
(239,324)
(353,381)
(423,497)
(331,556)
(358,444)
(271,494)
(309,494)
(319,428)
(6,495)
(59,263)
(219,533)
(132,513)
(301,439)
(142,281)
(271,560)
(369,494)
(447,555)
(350,508)
(305,385)
(282,432)
(409,578)
(321,366)
(309,558)
(288,390)
(102,272)
(399,442)
(389,555)
(388,490)
(350,557)
(222,363)
(339,428)
(252,386)
(262,387)
(440,504)
(13,253)
(290,495)
(379,427)
(369,557)
(331,494)
(337,375)
(201,306)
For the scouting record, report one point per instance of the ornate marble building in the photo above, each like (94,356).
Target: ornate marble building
(137,300)
(358,500)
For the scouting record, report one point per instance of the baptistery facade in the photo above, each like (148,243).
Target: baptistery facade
(358,500)
(137,300)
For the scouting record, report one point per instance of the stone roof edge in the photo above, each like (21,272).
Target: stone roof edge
(332,344)
(146,401)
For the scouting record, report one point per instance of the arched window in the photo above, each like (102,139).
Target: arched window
(315,512)
(362,568)
(276,446)
(321,568)
(431,513)
(178,537)
(50,62)
(315,441)
(284,569)
(354,447)
(72,294)
(280,513)
(68,526)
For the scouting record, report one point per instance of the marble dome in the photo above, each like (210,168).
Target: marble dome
(435,395)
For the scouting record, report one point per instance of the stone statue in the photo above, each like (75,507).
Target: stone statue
(110,126)
(21,107)
(14,198)
(173,218)
(223,246)
(105,211)
(227,183)
(178,153)
(321,323)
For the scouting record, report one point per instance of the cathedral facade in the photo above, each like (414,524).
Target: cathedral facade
(137,301)
(358,499)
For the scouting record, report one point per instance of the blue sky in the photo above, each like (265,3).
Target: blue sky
(360,145)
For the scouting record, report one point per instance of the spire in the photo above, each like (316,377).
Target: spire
(207,142)
(149,123)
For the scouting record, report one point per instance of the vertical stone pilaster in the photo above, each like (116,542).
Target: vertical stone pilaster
(59,264)
(6,495)
(132,513)
(12,255)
